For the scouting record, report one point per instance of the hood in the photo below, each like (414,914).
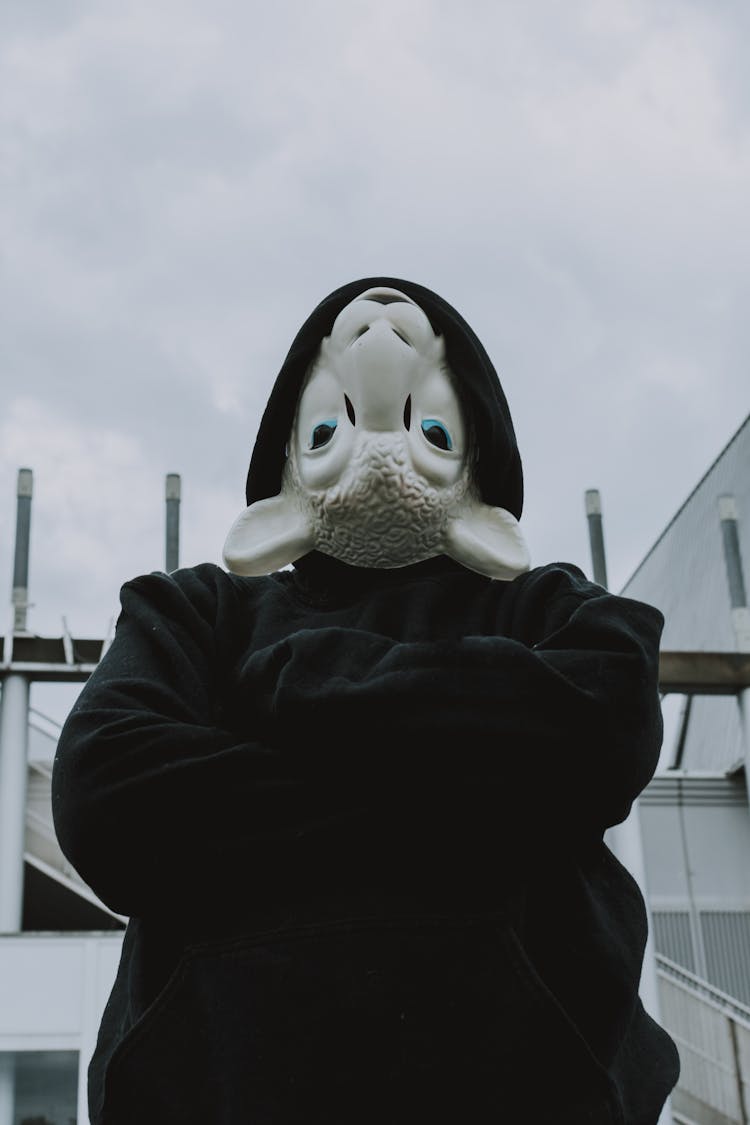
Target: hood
(497,463)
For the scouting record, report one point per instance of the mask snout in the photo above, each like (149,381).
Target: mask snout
(381,366)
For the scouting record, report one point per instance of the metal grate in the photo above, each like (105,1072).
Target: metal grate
(672,937)
(726,939)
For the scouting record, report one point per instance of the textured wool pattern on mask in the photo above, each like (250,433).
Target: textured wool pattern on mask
(381,512)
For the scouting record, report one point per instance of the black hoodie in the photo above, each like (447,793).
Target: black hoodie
(355,818)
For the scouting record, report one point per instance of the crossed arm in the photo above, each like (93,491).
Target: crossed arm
(153,793)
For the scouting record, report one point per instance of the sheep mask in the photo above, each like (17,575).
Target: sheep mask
(379,461)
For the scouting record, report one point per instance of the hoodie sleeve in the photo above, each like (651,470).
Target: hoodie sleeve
(154,801)
(561,722)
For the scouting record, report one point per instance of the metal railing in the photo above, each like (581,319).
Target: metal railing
(712,1033)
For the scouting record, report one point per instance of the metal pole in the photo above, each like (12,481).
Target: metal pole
(14,731)
(7,1087)
(596,536)
(626,839)
(735,576)
(21,559)
(738,603)
(173,521)
(14,734)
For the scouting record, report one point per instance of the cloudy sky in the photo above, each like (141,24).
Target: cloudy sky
(183,182)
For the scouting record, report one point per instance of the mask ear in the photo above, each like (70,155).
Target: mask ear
(487,540)
(267,536)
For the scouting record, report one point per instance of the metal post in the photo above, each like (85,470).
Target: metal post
(14,731)
(626,839)
(21,560)
(687,710)
(14,734)
(7,1087)
(173,522)
(596,536)
(738,603)
(733,557)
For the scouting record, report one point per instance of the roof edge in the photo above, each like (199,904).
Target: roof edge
(685,502)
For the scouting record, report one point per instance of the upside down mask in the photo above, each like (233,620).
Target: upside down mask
(380,462)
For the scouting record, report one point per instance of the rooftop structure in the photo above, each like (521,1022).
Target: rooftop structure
(694,816)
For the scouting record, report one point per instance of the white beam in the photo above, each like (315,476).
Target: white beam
(14,734)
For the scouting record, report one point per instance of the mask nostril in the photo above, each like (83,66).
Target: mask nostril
(349,409)
(407,413)
(362,331)
(401,337)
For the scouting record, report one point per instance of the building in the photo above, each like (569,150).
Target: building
(694,816)
(59,945)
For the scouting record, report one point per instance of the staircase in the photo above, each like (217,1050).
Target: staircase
(712,1033)
(41,849)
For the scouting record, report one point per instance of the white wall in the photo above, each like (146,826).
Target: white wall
(53,988)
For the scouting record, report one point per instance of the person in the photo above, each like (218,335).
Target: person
(351,792)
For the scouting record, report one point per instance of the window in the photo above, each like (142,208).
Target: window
(39,1087)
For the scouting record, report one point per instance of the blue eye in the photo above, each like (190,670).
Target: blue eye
(436,433)
(322,433)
